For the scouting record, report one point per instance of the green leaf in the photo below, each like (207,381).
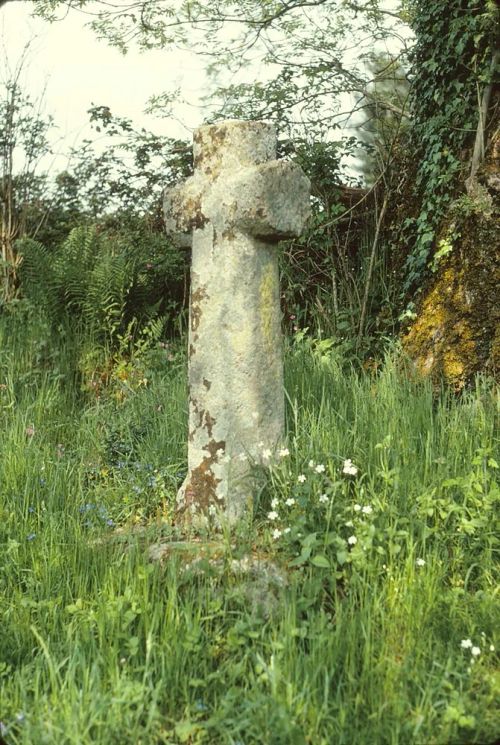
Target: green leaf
(309,540)
(197,683)
(75,607)
(342,557)
(300,559)
(185,730)
(320,561)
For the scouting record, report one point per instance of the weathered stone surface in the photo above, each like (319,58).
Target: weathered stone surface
(237,205)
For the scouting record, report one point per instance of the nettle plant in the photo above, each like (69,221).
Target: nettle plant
(452,62)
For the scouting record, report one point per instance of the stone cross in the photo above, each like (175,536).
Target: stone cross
(238,204)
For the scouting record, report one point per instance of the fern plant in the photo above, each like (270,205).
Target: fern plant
(36,277)
(88,277)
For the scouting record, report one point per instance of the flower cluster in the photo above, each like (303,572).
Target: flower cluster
(366,510)
(475,651)
(267,454)
(349,468)
(95,515)
(303,508)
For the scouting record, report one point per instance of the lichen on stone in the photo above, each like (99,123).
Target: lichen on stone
(268,290)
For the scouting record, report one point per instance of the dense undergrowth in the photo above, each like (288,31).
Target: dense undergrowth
(380,516)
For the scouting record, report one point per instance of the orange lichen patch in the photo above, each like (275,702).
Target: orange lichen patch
(185,210)
(209,423)
(455,334)
(192,215)
(204,419)
(229,234)
(211,142)
(197,412)
(197,296)
(201,489)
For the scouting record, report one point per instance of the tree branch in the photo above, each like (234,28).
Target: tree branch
(478,153)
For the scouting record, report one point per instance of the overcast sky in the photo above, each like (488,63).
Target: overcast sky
(78,71)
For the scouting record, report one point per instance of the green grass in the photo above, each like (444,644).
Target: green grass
(363,644)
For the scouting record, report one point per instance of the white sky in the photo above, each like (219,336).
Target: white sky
(78,70)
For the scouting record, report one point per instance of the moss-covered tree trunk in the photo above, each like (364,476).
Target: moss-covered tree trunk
(452,242)
(457,330)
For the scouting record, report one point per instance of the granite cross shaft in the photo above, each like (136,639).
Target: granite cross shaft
(235,208)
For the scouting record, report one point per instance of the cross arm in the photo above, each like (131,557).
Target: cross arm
(182,211)
(273,200)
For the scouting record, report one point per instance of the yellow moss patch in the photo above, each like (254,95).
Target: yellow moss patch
(445,340)
(439,343)
(268,294)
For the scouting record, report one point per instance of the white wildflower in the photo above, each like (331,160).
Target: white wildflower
(301,478)
(266,454)
(320,468)
(475,651)
(466,644)
(212,510)
(420,562)
(273,515)
(367,509)
(349,468)
(276,533)
(352,540)
(242,456)
(323,498)
(311,464)
(219,453)
(290,502)
(284,452)
(274,503)
(357,508)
